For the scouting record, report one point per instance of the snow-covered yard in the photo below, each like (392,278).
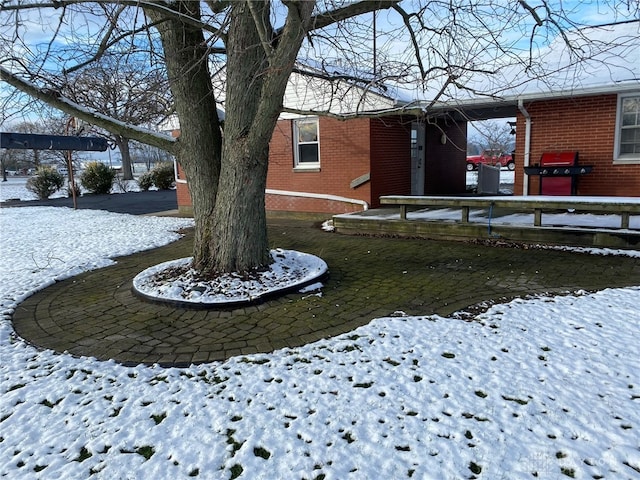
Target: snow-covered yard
(542,388)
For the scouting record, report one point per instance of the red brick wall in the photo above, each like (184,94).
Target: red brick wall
(309,205)
(182,189)
(390,157)
(344,156)
(445,164)
(583,124)
(348,149)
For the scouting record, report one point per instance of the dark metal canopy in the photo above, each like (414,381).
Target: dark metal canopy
(35,141)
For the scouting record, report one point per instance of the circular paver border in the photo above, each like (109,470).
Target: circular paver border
(316,271)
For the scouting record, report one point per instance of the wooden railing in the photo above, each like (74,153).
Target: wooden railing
(622,206)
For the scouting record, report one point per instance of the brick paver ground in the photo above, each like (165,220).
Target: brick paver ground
(95,314)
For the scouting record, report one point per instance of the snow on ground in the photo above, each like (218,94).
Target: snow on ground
(542,388)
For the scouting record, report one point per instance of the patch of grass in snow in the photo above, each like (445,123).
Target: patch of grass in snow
(116,412)
(195,472)
(259,361)
(519,401)
(83,455)
(233,442)
(262,452)
(475,468)
(391,362)
(363,385)
(215,380)
(448,355)
(159,418)
(569,472)
(236,471)
(348,437)
(350,348)
(481,394)
(39,468)
(146,451)
(15,387)
(49,404)
(301,360)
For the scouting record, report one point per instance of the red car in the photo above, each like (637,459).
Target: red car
(491,157)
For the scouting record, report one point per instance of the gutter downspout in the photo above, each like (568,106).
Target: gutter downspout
(527,145)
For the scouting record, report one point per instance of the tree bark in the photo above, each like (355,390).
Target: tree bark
(259,64)
(199,147)
(125,154)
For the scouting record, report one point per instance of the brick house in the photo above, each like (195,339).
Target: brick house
(325,165)
(603,127)
(321,164)
(591,107)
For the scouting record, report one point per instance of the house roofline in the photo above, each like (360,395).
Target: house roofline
(482,108)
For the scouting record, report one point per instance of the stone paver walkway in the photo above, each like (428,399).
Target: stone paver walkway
(95,314)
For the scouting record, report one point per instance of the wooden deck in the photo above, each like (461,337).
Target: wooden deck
(606,221)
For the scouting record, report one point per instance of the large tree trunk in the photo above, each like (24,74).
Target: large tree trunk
(199,148)
(125,155)
(240,232)
(228,187)
(257,74)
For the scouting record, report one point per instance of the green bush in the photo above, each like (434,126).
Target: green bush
(145,181)
(46,181)
(163,175)
(97,178)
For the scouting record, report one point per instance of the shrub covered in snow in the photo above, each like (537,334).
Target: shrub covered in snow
(97,178)
(46,181)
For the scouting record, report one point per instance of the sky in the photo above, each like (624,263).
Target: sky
(36,27)
(545,387)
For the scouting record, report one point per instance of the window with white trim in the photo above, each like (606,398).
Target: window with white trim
(628,129)
(306,141)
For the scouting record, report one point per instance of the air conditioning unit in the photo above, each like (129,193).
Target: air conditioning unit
(488,180)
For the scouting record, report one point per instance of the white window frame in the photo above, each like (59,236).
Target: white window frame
(619,158)
(299,165)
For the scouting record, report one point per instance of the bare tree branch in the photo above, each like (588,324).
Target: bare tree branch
(261,25)
(532,11)
(156,6)
(104,44)
(325,19)
(55,100)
